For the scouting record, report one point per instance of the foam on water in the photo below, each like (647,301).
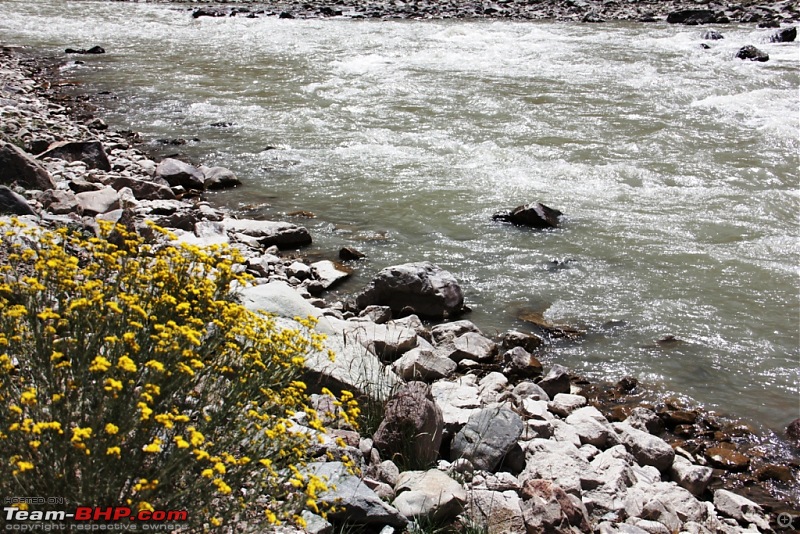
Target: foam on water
(676,167)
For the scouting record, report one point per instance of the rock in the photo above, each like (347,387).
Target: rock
(645,420)
(559,461)
(712,35)
(564,404)
(475,347)
(547,508)
(219,178)
(444,332)
(59,201)
(487,437)
(421,364)
(740,508)
(412,428)
(752,53)
(144,190)
(786,35)
(529,342)
(646,448)
(793,432)
(329,273)
(389,341)
(350,254)
(315,524)
(727,459)
(426,288)
(775,472)
(458,400)
(268,233)
(18,167)
(556,381)
(354,501)
(92,50)
(91,153)
(692,17)
(178,173)
(535,215)
(429,495)
(521,363)
(592,427)
(377,314)
(694,478)
(98,202)
(529,390)
(354,366)
(13,204)
(499,512)
(79,185)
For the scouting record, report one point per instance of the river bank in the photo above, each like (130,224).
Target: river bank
(42,111)
(679,11)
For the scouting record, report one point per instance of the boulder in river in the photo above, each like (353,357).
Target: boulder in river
(535,215)
(712,35)
(752,53)
(427,288)
(786,35)
(178,173)
(793,432)
(93,50)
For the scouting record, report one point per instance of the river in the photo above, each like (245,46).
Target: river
(676,168)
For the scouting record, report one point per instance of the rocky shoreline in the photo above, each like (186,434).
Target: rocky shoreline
(516,448)
(770,15)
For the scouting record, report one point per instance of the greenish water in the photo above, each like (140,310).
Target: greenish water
(676,167)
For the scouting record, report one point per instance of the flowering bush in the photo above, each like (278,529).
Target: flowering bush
(129,375)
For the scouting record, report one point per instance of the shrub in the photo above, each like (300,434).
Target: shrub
(129,375)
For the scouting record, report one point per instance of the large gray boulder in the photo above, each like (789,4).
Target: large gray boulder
(785,35)
(487,437)
(556,381)
(91,153)
(268,233)
(458,400)
(177,173)
(354,500)
(646,448)
(412,427)
(18,167)
(429,495)
(474,347)
(740,508)
(687,475)
(219,178)
(426,288)
(425,365)
(13,204)
(59,201)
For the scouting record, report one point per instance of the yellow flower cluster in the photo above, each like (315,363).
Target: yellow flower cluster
(139,350)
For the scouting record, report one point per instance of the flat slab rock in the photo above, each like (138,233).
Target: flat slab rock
(268,233)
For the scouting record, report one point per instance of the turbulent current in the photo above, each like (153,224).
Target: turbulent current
(676,168)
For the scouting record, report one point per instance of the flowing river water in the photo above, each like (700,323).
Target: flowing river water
(676,168)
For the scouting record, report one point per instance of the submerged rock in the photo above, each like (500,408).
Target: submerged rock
(752,53)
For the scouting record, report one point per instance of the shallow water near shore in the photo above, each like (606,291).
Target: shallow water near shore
(676,167)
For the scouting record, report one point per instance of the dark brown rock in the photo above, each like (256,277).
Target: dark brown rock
(730,460)
(786,35)
(775,472)
(12,203)
(793,432)
(350,254)
(692,17)
(546,507)
(144,190)
(18,167)
(752,53)
(89,152)
(412,429)
(535,215)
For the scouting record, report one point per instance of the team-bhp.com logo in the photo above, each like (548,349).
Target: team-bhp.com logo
(94,518)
